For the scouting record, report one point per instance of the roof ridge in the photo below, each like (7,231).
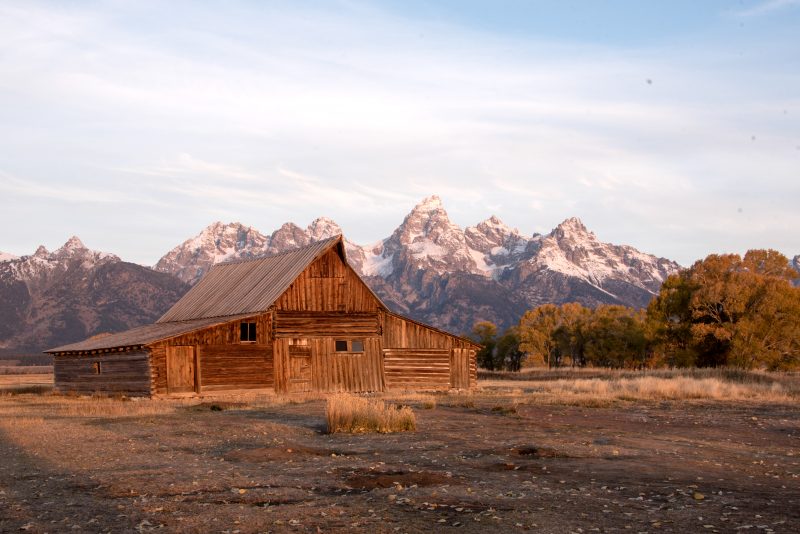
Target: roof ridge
(284,253)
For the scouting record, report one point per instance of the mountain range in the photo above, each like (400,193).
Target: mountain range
(428,268)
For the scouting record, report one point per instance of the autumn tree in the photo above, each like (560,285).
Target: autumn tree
(536,328)
(570,335)
(729,310)
(615,337)
(508,353)
(485,334)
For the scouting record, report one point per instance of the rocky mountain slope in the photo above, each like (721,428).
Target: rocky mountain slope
(437,272)
(53,298)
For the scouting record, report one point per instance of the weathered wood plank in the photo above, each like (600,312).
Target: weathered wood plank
(127,373)
(317,324)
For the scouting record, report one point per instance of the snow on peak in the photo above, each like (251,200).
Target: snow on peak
(573,250)
(323,228)
(42,252)
(5,256)
(572,225)
(430,203)
(72,245)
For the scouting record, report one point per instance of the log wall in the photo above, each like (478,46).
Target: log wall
(224,334)
(328,284)
(235,367)
(399,332)
(346,371)
(417,368)
(121,372)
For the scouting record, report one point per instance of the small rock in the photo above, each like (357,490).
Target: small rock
(698,496)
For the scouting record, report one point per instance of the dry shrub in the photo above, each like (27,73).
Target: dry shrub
(348,413)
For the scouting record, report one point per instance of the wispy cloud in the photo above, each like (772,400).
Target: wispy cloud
(66,193)
(266,113)
(765,7)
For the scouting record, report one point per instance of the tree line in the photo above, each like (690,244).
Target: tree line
(724,310)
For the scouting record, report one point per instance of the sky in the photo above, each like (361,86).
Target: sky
(670,126)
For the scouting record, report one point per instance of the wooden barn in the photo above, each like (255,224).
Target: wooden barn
(294,322)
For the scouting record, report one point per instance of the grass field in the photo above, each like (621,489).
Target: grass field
(643,453)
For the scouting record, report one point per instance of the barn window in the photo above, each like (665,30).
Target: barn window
(96,368)
(247,333)
(343,345)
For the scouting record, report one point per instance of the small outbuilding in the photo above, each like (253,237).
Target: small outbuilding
(299,321)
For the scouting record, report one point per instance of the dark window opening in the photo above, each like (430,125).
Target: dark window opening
(247,332)
(96,368)
(342,345)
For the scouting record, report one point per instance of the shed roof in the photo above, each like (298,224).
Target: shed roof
(247,286)
(143,335)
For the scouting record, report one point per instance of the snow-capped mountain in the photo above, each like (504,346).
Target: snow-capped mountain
(51,298)
(434,270)
(44,263)
(234,241)
(572,264)
(5,256)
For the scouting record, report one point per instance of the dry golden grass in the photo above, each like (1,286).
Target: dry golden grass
(348,413)
(14,380)
(424,400)
(65,406)
(601,392)
(111,407)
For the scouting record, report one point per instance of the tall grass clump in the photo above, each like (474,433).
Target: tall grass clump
(351,414)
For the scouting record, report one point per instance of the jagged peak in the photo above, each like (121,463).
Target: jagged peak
(431,203)
(218,227)
(573,225)
(494,223)
(73,243)
(323,228)
(288,226)
(41,252)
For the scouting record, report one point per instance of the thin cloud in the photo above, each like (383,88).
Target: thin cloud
(768,6)
(32,188)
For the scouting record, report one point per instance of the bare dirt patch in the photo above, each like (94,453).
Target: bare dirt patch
(370,480)
(99,465)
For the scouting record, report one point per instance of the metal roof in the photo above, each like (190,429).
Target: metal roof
(247,286)
(143,335)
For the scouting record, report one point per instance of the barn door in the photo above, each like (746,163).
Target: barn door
(181,369)
(459,368)
(299,368)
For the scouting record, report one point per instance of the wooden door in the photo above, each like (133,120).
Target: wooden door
(181,370)
(299,368)
(459,368)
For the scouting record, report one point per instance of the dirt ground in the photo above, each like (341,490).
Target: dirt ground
(475,464)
